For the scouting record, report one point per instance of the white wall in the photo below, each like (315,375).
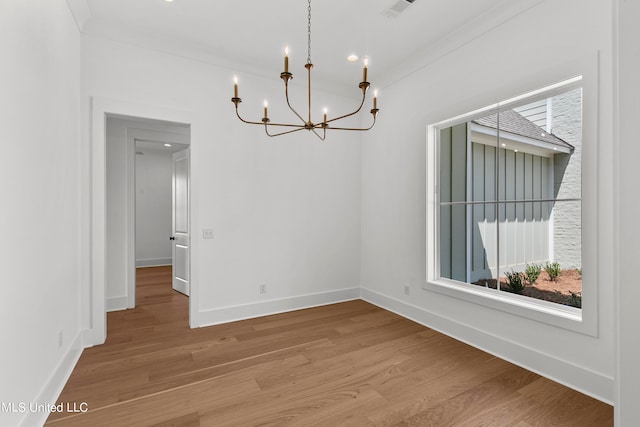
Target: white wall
(40,191)
(627,204)
(154,171)
(481,72)
(281,196)
(285,212)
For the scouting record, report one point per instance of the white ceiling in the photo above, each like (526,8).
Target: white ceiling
(145,146)
(250,35)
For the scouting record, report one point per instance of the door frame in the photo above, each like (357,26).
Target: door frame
(134,135)
(100,108)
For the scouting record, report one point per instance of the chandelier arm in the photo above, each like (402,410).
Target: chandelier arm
(286,93)
(266,130)
(300,127)
(285,125)
(350,114)
(357,129)
(247,121)
(324,135)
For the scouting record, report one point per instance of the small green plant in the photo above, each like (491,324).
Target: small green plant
(575,300)
(579,270)
(553,270)
(532,272)
(515,282)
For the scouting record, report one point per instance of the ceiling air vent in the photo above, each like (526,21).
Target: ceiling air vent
(397,8)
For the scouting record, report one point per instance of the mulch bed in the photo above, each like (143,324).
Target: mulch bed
(560,291)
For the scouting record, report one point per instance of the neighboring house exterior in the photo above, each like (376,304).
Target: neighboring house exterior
(535,174)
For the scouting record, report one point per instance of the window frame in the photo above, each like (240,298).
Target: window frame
(583,320)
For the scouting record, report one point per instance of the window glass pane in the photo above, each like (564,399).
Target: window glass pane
(483,257)
(510,188)
(567,125)
(453,242)
(453,164)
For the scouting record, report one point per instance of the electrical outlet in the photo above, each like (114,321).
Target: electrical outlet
(263,288)
(60,339)
(407,290)
(207,233)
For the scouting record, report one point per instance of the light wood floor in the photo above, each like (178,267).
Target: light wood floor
(349,364)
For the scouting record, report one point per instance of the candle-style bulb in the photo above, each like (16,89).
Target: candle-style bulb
(286,59)
(266,114)
(364,70)
(235,86)
(375,99)
(325,115)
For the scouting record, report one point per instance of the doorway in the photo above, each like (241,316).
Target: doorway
(162,209)
(94,318)
(141,207)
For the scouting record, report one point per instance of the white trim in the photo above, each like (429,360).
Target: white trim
(489,136)
(117,303)
(547,91)
(97,176)
(620,317)
(469,31)
(56,382)
(626,232)
(586,70)
(468,208)
(591,383)
(98,222)
(583,66)
(276,306)
(552,180)
(564,316)
(156,262)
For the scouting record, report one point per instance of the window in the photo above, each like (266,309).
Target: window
(506,202)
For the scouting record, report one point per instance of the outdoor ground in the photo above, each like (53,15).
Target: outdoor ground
(560,291)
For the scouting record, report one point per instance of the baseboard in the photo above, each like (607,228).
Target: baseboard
(52,389)
(576,377)
(92,337)
(265,308)
(155,262)
(117,303)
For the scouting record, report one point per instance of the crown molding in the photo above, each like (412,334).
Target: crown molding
(471,30)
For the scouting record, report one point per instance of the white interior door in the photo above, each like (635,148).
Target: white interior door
(180,228)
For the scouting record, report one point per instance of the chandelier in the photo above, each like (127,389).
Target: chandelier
(319,128)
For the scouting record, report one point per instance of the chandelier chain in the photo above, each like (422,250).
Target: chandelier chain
(309,33)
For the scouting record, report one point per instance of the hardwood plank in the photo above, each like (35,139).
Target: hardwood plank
(348,364)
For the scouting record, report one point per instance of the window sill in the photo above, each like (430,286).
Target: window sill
(542,311)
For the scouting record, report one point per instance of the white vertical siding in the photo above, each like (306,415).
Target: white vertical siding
(524,227)
(453,177)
